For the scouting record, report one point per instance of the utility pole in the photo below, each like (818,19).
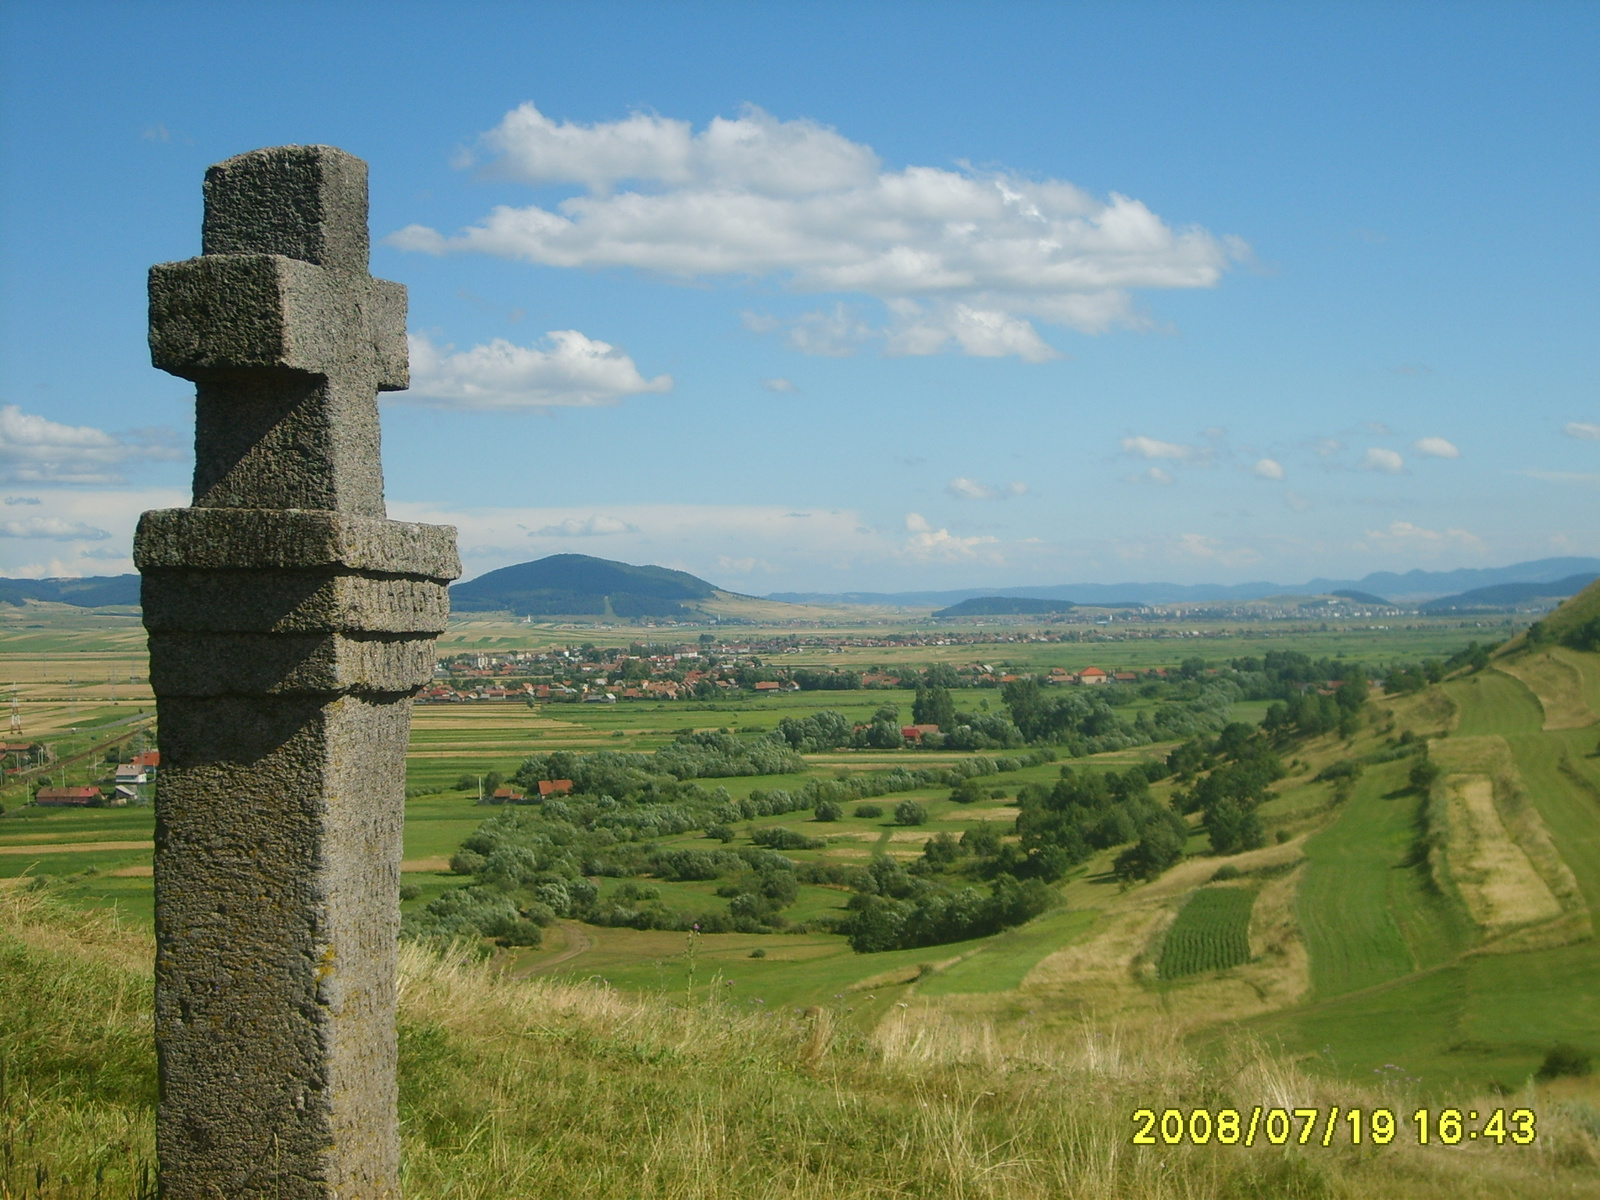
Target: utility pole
(16,713)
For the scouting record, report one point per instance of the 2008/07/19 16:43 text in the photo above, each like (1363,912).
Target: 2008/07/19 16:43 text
(1349,1126)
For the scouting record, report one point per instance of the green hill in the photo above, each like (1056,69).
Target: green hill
(1004,606)
(1361,597)
(94,591)
(578,585)
(1509,595)
(1577,612)
(540,1087)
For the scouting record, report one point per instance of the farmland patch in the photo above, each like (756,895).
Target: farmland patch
(1497,882)
(1558,684)
(1212,933)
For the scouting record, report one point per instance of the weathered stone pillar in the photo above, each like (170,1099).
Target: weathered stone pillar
(290,623)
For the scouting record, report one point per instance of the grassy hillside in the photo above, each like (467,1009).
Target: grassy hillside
(533,1089)
(1431,940)
(1451,946)
(1562,624)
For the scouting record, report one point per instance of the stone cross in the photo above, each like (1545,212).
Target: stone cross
(290,624)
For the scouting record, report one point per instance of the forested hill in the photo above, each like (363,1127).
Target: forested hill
(1509,595)
(578,585)
(991,606)
(92,592)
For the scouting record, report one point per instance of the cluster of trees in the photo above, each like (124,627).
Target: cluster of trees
(1085,721)
(896,909)
(1085,811)
(1239,767)
(1583,636)
(690,756)
(828,681)
(1310,713)
(529,862)
(1406,678)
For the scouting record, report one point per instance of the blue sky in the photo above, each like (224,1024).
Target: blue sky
(826,297)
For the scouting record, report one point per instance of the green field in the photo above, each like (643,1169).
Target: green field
(1368,908)
(1212,933)
(1398,987)
(1396,977)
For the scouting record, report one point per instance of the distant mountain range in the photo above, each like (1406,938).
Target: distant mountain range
(578,585)
(1413,587)
(95,591)
(1510,595)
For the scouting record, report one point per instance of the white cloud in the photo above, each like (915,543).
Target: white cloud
(1211,550)
(573,371)
(969,489)
(596,525)
(1582,478)
(35,449)
(981,333)
(782,386)
(53,528)
(1268,468)
(1437,447)
(77,531)
(1153,475)
(963,488)
(1404,537)
(759,197)
(1149,447)
(1379,459)
(1327,447)
(836,334)
(929,544)
(1582,430)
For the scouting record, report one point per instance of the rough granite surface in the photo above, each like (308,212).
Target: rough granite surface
(290,624)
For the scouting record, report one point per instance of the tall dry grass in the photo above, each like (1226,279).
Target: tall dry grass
(545,1089)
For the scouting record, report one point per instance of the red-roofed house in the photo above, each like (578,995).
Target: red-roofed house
(915,733)
(67,797)
(508,795)
(1092,675)
(554,787)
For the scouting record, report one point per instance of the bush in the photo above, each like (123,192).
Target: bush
(1565,1059)
(779,838)
(827,810)
(409,891)
(968,791)
(910,812)
(1347,768)
(1424,775)
(869,812)
(1226,871)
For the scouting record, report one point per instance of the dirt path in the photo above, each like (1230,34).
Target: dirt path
(77,847)
(578,941)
